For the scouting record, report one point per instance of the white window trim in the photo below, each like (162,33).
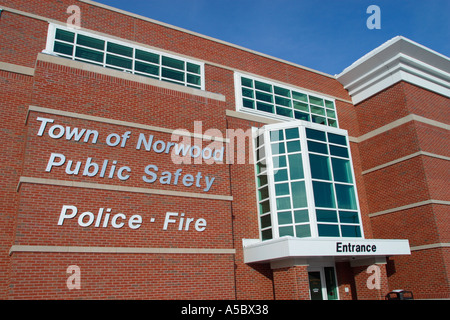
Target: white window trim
(51,40)
(307,178)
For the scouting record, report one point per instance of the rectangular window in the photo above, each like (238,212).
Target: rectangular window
(333,184)
(114,54)
(274,100)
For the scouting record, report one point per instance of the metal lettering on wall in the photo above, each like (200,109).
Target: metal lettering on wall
(181,152)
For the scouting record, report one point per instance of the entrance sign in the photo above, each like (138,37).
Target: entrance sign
(290,247)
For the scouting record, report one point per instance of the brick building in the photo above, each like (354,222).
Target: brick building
(144,161)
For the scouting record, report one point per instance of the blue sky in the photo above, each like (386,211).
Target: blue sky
(325,35)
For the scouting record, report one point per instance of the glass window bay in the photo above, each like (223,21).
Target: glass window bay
(114,54)
(258,96)
(305,182)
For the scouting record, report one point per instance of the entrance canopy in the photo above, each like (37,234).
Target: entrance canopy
(341,249)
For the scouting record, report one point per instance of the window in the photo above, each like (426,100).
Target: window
(82,46)
(333,186)
(282,192)
(275,100)
(305,182)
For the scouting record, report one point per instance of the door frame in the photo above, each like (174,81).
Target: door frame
(321,270)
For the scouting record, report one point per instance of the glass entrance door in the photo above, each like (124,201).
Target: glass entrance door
(323,284)
(315,285)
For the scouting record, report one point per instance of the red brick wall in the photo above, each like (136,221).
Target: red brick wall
(361,278)
(425,273)
(128,276)
(420,178)
(16,92)
(291,283)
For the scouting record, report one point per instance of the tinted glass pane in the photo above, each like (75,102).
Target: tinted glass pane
(329,104)
(293,146)
(278,148)
(316,100)
(318,110)
(266,234)
(320,167)
(328,230)
(301,106)
(64,35)
(282,91)
(301,116)
(284,217)
(265,221)
(147,56)
(263,86)
(276,135)
(193,79)
(317,147)
(247,93)
(296,166)
(281,175)
(346,196)
(91,42)
(173,63)
(348,217)
(323,194)
(118,61)
(264,207)
(315,134)
(283,203)
(279,162)
(326,216)
(264,107)
(338,139)
(299,96)
(172,74)
(332,123)
(286,231)
(194,68)
(351,231)
(63,48)
(284,112)
(302,231)
(119,49)
(301,216)
(342,170)
(89,54)
(331,114)
(264,96)
(299,194)
(339,151)
(263,193)
(262,180)
(292,133)
(319,120)
(283,101)
(248,104)
(147,68)
(260,167)
(247,82)
(282,189)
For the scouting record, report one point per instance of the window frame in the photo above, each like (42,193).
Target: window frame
(307,178)
(51,39)
(241,108)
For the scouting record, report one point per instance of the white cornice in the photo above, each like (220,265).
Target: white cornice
(399,59)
